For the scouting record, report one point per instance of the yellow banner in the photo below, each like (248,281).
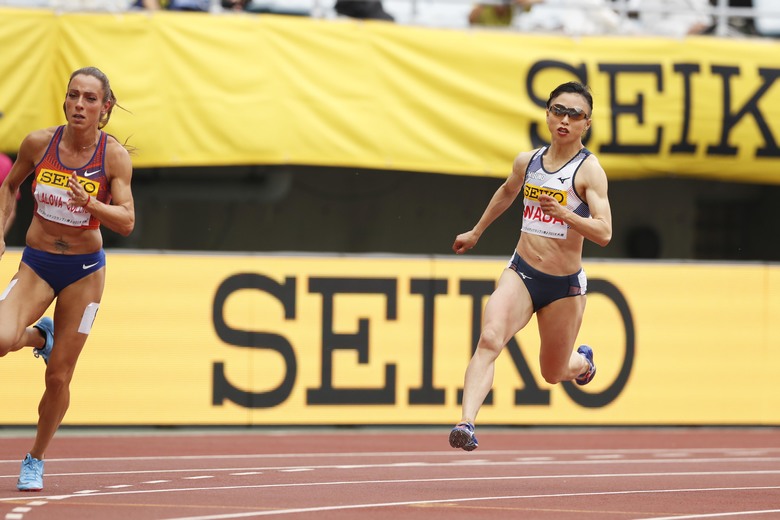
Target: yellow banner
(322,340)
(251,89)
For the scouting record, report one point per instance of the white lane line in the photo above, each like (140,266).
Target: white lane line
(457,462)
(252,514)
(438,480)
(716,515)
(198,477)
(245,473)
(156,482)
(725,451)
(119,486)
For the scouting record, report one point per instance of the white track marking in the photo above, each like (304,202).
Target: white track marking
(252,514)
(432,480)
(716,515)
(726,452)
(17,513)
(492,464)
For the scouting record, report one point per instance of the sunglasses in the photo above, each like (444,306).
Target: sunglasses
(575,114)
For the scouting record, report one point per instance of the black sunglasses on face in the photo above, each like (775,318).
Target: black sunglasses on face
(575,114)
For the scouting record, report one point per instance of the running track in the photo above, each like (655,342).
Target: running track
(350,474)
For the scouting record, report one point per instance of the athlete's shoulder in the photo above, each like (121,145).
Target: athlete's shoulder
(523,159)
(591,161)
(41,136)
(117,157)
(114,144)
(591,171)
(35,143)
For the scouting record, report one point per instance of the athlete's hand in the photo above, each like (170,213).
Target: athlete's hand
(464,242)
(79,196)
(551,207)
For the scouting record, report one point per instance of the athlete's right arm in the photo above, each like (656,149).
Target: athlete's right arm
(504,196)
(30,152)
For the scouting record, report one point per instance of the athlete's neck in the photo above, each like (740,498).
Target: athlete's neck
(81,142)
(558,152)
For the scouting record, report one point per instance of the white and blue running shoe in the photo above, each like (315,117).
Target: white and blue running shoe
(46,326)
(31,475)
(462,436)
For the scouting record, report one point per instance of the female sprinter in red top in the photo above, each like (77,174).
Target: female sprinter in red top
(81,180)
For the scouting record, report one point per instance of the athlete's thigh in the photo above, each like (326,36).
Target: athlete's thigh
(509,308)
(559,323)
(24,300)
(74,314)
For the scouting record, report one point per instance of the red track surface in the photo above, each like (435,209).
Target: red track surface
(409,474)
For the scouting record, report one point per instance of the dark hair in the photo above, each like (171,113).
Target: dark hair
(108,94)
(572,87)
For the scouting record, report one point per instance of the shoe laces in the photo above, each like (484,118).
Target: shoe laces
(34,467)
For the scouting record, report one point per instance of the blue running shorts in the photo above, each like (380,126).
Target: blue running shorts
(546,288)
(59,271)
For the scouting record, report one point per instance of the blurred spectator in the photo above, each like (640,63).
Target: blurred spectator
(363,9)
(150,5)
(573,17)
(189,5)
(498,14)
(671,17)
(234,5)
(738,25)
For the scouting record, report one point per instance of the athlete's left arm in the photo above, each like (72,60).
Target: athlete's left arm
(591,184)
(119,216)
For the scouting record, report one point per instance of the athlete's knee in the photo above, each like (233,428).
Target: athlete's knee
(490,340)
(554,374)
(8,340)
(58,380)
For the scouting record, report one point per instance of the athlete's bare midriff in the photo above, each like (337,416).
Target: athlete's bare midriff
(55,238)
(558,257)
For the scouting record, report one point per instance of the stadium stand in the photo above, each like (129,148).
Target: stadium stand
(730,17)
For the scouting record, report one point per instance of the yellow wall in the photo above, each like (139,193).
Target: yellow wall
(345,340)
(252,89)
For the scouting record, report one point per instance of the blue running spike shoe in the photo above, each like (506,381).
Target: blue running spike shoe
(587,376)
(46,327)
(31,476)
(462,436)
